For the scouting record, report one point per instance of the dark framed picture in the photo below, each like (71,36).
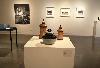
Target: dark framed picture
(22,13)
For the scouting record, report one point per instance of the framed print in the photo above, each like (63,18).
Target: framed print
(79,13)
(65,12)
(49,12)
(22,13)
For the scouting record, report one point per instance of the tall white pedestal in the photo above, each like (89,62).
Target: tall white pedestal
(59,55)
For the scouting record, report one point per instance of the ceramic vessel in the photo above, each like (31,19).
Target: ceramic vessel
(49,41)
(42,29)
(49,38)
(60,33)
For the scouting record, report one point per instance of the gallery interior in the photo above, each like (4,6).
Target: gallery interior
(49,33)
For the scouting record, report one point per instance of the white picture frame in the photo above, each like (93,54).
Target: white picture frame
(49,12)
(65,12)
(80,13)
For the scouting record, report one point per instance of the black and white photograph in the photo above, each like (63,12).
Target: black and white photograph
(49,12)
(65,12)
(79,13)
(22,13)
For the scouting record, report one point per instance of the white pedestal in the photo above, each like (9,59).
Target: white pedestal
(59,55)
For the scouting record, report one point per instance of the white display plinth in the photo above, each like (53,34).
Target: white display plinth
(59,55)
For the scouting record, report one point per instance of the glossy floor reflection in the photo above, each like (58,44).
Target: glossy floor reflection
(86,55)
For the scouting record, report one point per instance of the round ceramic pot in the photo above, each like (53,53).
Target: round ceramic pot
(49,41)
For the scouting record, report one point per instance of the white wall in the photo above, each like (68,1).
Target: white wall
(71,25)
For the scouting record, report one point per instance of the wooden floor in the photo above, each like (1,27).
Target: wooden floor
(87,55)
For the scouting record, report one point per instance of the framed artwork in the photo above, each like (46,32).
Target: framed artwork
(79,13)
(49,12)
(65,12)
(22,13)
